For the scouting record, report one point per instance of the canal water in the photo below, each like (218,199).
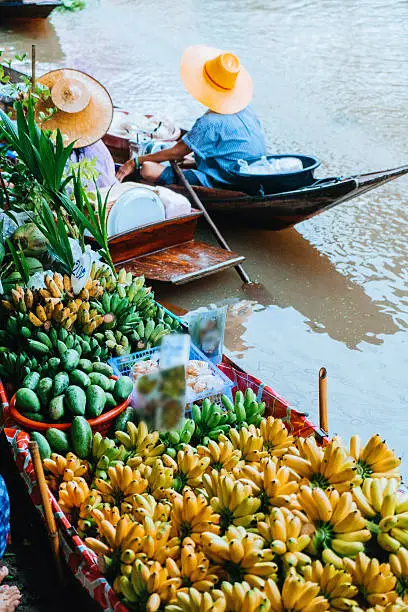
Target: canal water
(331,79)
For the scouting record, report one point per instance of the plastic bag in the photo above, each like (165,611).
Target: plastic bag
(264,166)
(175,204)
(206,327)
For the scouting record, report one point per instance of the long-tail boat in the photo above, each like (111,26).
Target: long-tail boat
(283,208)
(27,10)
(274,211)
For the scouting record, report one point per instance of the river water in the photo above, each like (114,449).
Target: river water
(331,79)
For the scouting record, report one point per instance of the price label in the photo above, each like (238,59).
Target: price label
(174,350)
(81,272)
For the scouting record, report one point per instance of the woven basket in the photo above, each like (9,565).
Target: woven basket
(101,423)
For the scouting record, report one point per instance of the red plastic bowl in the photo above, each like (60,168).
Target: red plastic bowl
(101,423)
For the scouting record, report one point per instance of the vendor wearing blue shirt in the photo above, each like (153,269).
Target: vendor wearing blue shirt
(227,132)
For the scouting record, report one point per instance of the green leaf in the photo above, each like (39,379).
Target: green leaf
(19,261)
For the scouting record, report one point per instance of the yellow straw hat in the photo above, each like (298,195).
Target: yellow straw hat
(84,107)
(216,79)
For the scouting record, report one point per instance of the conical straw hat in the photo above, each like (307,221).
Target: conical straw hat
(84,107)
(216,78)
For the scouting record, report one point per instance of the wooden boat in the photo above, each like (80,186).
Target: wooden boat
(281,210)
(167,251)
(27,10)
(80,564)
(274,211)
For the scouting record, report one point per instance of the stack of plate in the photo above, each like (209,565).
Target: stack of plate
(134,208)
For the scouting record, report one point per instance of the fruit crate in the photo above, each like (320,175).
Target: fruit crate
(122,366)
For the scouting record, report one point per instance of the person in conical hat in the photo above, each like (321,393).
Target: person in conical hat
(227,132)
(83,111)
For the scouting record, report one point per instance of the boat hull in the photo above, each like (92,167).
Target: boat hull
(20,10)
(283,210)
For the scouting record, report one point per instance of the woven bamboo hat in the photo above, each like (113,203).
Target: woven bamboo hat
(84,107)
(216,79)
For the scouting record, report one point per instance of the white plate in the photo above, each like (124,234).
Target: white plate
(134,208)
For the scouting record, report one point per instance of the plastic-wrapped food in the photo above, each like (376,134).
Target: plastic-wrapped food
(206,326)
(199,376)
(175,204)
(279,165)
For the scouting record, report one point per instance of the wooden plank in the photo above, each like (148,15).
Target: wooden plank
(153,237)
(184,262)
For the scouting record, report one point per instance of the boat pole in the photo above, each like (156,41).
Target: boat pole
(220,238)
(46,502)
(32,67)
(323,417)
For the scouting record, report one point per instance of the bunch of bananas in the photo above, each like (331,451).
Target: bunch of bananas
(142,446)
(240,597)
(85,518)
(245,410)
(223,456)
(241,556)
(119,539)
(231,500)
(122,483)
(176,440)
(146,505)
(282,531)
(340,529)
(159,479)
(233,524)
(21,300)
(64,468)
(276,438)
(105,454)
(72,494)
(386,511)
(399,566)
(14,367)
(193,569)
(194,601)
(188,468)
(147,334)
(117,343)
(374,580)
(334,584)
(296,595)
(147,587)
(56,303)
(24,299)
(210,421)
(322,467)
(103,273)
(375,459)
(249,441)
(191,515)
(275,485)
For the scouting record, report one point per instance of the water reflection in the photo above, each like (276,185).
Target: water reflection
(18,36)
(331,79)
(329,301)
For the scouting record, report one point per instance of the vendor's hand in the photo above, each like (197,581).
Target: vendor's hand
(127,168)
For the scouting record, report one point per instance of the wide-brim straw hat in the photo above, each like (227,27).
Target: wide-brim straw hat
(84,107)
(216,79)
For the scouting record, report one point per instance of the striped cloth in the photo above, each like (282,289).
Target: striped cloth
(218,141)
(4,516)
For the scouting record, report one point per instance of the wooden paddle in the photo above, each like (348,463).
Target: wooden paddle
(46,502)
(256,290)
(323,413)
